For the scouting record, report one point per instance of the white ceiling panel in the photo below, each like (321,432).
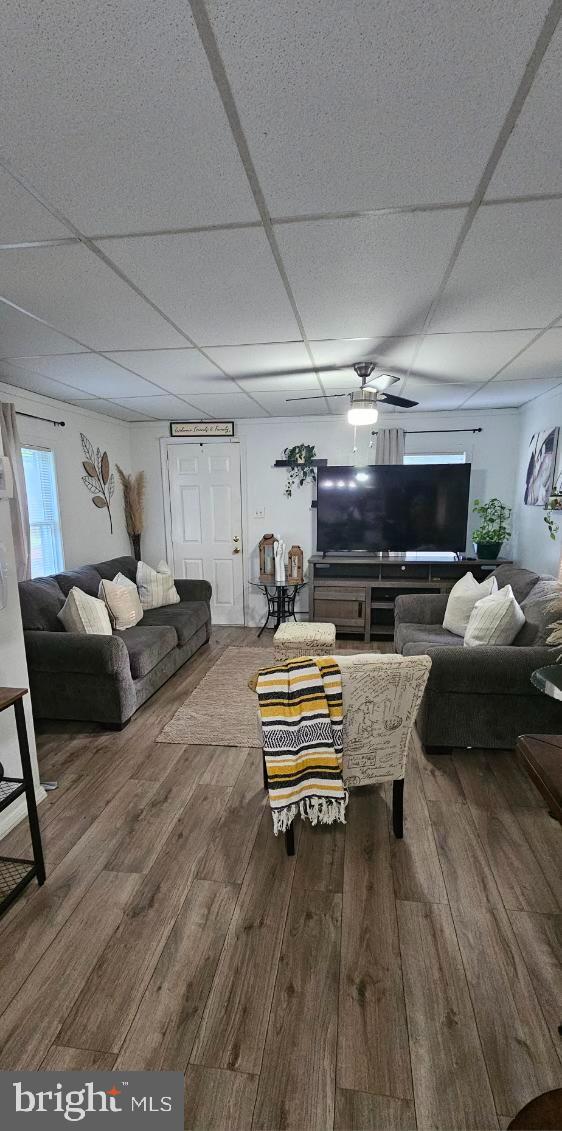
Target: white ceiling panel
(22,217)
(350,106)
(158,407)
(72,289)
(233,406)
(25,378)
(277,404)
(509,272)
(368,277)
(541,360)
(177,371)
(468,357)
(111,112)
(266,367)
(530,162)
(21,336)
(95,375)
(109,408)
(434,396)
(511,394)
(219,287)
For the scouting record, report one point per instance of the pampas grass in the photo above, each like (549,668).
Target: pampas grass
(133,500)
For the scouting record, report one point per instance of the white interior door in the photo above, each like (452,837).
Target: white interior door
(206,522)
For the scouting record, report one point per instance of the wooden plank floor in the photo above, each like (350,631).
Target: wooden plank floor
(366,984)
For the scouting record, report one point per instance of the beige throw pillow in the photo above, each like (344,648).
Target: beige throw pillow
(495,620)
(156,586)
(122,601)
(85,614)
(462,599)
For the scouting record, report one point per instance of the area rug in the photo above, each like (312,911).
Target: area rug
(221,711)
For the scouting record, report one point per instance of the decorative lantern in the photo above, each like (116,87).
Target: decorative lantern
(295,572)
(267,558)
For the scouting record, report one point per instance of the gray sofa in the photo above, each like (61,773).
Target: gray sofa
(482,696)
(104,679)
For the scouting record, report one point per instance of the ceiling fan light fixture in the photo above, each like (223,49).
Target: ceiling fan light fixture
(360,414)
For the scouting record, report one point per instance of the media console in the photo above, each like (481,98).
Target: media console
(356,592)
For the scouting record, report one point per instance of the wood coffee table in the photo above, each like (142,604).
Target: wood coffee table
(541,756)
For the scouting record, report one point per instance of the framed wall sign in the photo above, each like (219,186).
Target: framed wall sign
(200,429)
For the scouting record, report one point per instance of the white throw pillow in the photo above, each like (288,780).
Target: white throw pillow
(495,620)
(462,599)
(122,601)
(156,586)
(85,614)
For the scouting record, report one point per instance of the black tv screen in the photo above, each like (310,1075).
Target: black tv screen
(393,507)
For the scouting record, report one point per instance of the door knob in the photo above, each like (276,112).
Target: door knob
(236,538)
(236,550)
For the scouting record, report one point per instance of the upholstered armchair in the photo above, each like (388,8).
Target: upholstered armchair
(381,698)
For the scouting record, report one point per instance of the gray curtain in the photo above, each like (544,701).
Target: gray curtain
(390,445)
(11,448)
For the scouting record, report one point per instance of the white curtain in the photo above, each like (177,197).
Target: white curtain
(11,448)
(390,445)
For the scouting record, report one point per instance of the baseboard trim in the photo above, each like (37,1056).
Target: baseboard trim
(18,812)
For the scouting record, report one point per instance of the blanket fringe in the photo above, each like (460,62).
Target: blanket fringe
(317,810)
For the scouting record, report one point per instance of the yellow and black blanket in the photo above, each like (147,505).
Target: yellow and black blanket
(300,706)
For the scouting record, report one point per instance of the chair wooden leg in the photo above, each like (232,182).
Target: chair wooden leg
(290,841)
(398,808)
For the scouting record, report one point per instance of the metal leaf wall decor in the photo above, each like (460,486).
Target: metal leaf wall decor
(98,481)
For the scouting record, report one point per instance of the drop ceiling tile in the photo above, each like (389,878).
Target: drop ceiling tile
(511,394)
(542,359)
(158,407)
(353,106)
(74,291)
(392,355)
(35,383)
(468,357)
(96,376)
(219,287)
(280,365)
(178,371)
(530,162)
(22,217)
(278,405)
(368,277)
(509,272)
(433,396)
(21,336)
(109,408)
(135,136)
(233,406)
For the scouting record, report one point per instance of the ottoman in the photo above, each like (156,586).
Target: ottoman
(303,639)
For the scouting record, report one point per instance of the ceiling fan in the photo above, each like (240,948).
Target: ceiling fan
(363,401)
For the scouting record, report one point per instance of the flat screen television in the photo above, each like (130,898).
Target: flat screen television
(393,507)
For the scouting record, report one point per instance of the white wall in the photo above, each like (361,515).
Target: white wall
(493,454)
(85,529)
(535,549)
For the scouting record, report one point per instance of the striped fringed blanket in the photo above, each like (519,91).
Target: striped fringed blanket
(300,706)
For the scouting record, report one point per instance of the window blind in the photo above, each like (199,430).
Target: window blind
(44,518)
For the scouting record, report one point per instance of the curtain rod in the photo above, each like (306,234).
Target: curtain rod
(429,431)
(45,419)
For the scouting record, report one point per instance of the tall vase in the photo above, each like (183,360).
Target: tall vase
(135,539)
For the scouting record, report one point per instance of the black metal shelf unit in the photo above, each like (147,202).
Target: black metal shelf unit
(16,873)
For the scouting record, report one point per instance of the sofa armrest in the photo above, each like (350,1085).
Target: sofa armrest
(83,653)
(193,590)
(500,670)
(420,608)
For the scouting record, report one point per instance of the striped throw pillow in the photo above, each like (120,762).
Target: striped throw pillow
(85,614)
(156,586)
(122,602)
(494,620)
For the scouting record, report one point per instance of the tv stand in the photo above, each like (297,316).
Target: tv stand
(357,591)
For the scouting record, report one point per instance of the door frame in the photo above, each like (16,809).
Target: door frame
(167,442)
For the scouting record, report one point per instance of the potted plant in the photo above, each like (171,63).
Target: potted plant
(301,467)
(493,531)
(133,502)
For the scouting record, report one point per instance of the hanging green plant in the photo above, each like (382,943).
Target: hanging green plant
(553,526)
(301,469)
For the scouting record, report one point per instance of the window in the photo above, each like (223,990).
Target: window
(43,506)
(436,457)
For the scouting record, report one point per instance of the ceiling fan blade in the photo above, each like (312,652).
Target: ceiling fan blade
(382,381)
(401,402)
(320,397)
